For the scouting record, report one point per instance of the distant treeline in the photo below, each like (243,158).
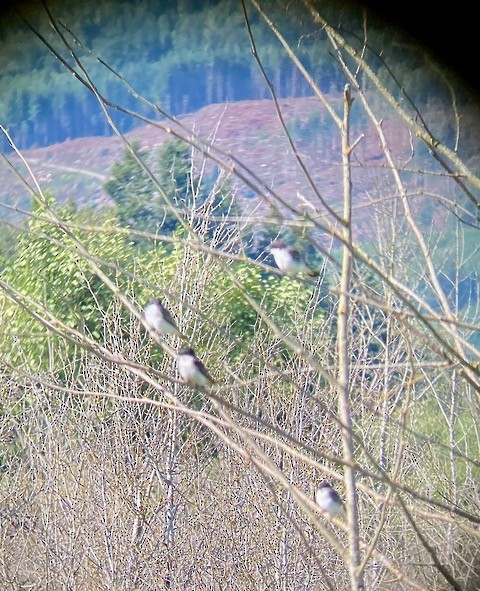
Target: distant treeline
(179,54)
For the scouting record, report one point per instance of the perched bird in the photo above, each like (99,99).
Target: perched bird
(328,499)
(289,260)
(160,320)
(191,369)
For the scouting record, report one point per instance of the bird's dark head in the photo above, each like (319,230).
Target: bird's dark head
(277,244)
(324,484)
(154,301)
(186,351)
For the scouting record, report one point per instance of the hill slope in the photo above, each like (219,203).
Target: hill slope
(249,130)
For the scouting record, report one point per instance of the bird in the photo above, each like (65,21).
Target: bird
(328,499)
(289,260)
(191,369)
(159,319)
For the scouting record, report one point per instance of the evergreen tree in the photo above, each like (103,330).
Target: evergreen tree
(174,168)
(174,165)
(132,190)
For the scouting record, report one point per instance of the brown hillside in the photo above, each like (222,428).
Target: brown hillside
(249,130)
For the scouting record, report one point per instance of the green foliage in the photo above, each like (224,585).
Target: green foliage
(132,190)
(49,270)
(174,177)
(186,191)
(431,421)
(226,307)
(141,206)
(8,244)
(174,168)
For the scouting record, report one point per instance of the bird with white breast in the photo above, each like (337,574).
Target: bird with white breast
(192,370)
(290,261)
(328,499)
(159,319)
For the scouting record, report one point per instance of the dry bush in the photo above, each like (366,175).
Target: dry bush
(118,476)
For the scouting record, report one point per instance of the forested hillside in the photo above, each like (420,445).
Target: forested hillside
(172,54)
